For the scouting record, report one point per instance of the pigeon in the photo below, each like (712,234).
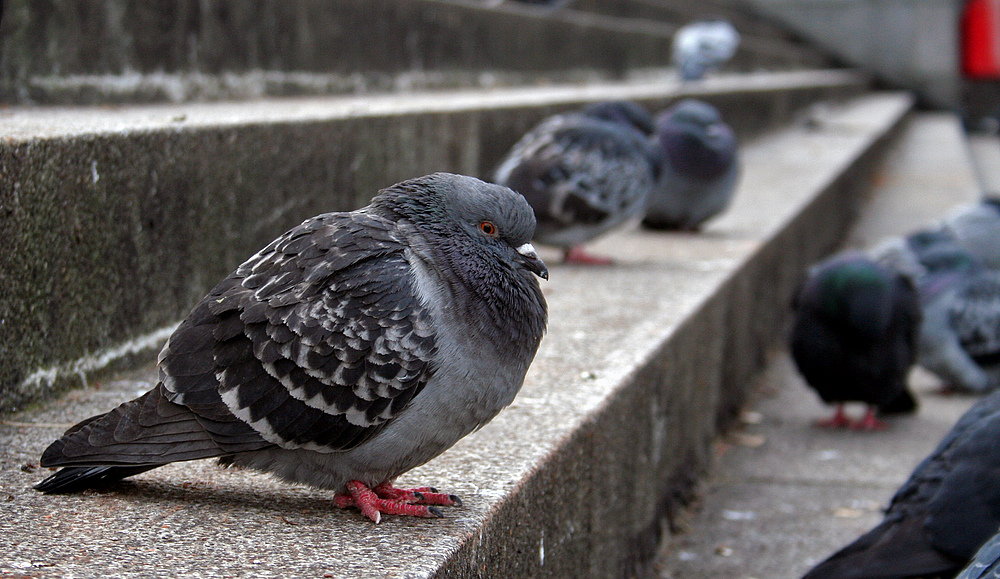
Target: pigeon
(941,515)
(960,333)
(699,167)
(351,349)
(854,336)
(703,46)
(976,227)
(986,563)
(584,173)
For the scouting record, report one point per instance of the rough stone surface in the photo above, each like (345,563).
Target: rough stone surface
(115,222)
(785,495)
(615,419)
(97,51)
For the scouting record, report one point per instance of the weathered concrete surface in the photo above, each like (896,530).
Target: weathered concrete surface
(785,495)
(616,416)
(98,51)
(116,221)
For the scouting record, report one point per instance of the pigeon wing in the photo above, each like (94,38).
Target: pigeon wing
(315,342)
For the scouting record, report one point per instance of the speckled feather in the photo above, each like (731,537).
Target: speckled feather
(583,173)
(343,349)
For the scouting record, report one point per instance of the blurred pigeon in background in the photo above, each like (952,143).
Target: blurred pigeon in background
(584,173)
(960,299)
(941,515)
(960,333)
(700,47)
(854,336)
(353,348)
(976,227)
(698,167)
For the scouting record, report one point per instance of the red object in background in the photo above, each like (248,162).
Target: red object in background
(981,40)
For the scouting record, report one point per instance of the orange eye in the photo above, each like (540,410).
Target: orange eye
(488,228)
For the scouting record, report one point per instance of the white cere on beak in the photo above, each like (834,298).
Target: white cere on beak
(528,250)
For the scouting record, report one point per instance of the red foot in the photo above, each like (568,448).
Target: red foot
(838,420)
(387,499)
(869,422)
(577,255)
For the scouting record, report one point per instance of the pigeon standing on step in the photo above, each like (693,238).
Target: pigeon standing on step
(941,515)
(584,173)
(854,336)
(698,167)
(976,227)
(960,334)
(703,46)
(351,349)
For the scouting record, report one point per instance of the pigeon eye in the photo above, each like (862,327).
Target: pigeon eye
(488,228)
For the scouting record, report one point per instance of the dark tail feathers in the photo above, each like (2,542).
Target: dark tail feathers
(77,478)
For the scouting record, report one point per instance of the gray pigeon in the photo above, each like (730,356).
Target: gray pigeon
(986,563)
(351,349)
(960,333)
(941,515)
(854,336)
(584,173)
(700,47)
(698,167)
(976,226)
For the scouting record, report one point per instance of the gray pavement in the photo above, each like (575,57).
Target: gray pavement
(784,495)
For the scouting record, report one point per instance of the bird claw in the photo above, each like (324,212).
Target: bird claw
(387,499)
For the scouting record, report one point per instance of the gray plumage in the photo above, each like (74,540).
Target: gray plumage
(356,346)
(986,563)
(941,515)
(703,46)
(960,299)
(698,167)
(960,335)
(976,227)
(584,173)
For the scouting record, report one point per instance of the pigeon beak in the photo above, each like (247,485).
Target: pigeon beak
(532,261)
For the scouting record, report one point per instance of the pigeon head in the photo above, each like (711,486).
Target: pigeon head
(925,239)
(490,223)
(624,113)
(696,140)
(949,258)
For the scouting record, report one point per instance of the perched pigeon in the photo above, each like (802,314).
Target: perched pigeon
(854,336)
(698,167)
(977,228)
(986,563)
(961,318)
(583,173)
(351,349)
(703,46)
(938,519)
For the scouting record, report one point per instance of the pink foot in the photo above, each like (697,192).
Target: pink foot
(387,499)
(869,422)
(838,420)
(577,255)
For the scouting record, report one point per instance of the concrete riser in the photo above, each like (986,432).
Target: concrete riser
(113,236)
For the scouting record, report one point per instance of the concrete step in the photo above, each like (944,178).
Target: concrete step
(117,220)
(135,51)
(785,495)
(641,363)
